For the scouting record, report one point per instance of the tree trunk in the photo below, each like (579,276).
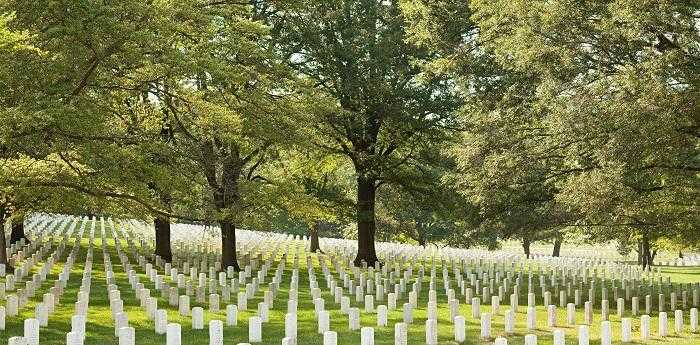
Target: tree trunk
(163,249)
(640,253)
(313,238)
(366,193)
(557,246)
(18,232)
(526,247)
(648,258)
(228,246)
(3,247)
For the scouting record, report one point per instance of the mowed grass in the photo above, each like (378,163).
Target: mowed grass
(682,274)
(100,328)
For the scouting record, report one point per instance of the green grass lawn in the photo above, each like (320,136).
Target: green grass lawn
(100,329)
(682,274)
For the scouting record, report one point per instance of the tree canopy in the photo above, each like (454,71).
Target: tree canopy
(430,121)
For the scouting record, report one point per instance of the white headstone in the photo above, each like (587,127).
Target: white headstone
(460,329)
(73,338)
(354,319)
(367,336)
(583,335)
(213,302)
(330,338)
(485,325)
(291,306)
(678,321)
(151,307)
(509,321)
(78,325)
(400,334)
(173,336)
(242,301)
(184,305)
(290,325)
(605,333)
(476,305)
(255,329)
(31,331)
(216,332)
(382,316)
(431,332)
(432,310)
(570,314)
(626,330)
(263,312)
(12,305)
(501,341)
(197,318)
(558,337)
(231,315)
(604,309)
(645,327)
(531,318)
(127,336)
(323,322)
(407,313)
(161,322)
(551,316)
(369,304)
(120,321)
(588,313)
(663,324)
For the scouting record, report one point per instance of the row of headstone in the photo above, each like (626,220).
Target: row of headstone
(399,281)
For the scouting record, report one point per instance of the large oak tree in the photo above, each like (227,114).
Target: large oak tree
(374,103)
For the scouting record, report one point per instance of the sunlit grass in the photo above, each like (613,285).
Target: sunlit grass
(100,328)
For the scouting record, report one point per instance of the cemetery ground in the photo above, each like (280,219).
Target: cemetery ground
(276,255)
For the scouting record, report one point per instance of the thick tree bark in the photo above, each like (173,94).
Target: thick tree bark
(313,238)
(366,227)
(18,232)
(557,246)
(163,248)
(640,253)
(652,256)
(526,247)
(3,247)
(228,246)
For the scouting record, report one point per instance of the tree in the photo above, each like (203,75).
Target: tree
(228,111)
(625,86)
(115,76)
(374,105)
(63,124)
(594,110)
(498,168)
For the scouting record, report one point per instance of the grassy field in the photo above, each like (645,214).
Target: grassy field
(100,326)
